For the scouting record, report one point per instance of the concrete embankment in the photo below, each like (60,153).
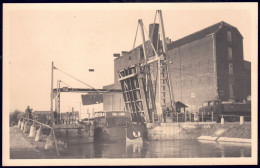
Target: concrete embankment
(229,132)
(24,147)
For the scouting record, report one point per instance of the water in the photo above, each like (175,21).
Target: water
(159,149)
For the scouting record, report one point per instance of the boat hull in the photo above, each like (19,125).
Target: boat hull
(136,133)
(109,134)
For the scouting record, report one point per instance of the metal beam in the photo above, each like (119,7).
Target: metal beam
(84,90)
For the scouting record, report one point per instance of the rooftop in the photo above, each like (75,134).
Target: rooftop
(200,34)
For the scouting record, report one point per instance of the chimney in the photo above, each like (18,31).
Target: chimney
(116,55)
(153,34)
(124,53)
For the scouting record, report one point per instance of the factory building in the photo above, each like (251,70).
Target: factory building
(205,65)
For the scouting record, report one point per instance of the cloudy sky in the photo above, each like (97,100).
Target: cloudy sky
(77,37)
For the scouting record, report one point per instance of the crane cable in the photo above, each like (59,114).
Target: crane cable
(77,79)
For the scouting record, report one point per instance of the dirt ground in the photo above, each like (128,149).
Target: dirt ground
(24,147)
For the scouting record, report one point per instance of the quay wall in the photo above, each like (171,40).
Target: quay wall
(167,131)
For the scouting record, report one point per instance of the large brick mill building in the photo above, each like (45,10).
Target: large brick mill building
(205,65)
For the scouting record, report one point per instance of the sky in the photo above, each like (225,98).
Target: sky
(78,37)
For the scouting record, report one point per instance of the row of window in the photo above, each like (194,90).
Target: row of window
(230,54)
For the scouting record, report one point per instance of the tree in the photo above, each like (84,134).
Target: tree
(14,117)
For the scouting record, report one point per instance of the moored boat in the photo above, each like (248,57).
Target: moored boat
(109,126)
(135,133)
(74,133)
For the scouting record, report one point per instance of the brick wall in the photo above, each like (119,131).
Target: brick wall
(134,57)
(193,77)
(192,72)
(225,60)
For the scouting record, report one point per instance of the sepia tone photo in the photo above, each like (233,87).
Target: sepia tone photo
(130,84)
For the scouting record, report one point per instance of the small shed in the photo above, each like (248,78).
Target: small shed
(180,106)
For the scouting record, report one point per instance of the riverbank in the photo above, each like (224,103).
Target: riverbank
(230,130)
(193,130)
(24,147)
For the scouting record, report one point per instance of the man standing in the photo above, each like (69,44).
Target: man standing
(164,115)
(28,113)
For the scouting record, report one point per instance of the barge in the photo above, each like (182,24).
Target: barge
(116,126)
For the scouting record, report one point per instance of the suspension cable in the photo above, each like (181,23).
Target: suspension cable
(77,79)
(66,84)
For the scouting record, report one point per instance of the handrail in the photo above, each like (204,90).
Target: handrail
(48,127)
(38,122)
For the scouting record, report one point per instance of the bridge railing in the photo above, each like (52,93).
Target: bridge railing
(48,126)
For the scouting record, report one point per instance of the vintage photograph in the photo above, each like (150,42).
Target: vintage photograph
(130,84)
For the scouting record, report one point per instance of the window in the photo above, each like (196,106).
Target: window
(114,114)
(230,68)
(141,53)
(163,94)
(121,114)
(229,54)
(163,81)
(229,36)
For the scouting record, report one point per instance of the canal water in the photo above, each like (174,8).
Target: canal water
(158,149)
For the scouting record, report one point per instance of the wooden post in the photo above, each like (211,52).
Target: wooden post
(212,117)
(241,120)
(79,110)
(69,117)
(57,150)
(202,116)
(88,118)
(185,117)
(222,120)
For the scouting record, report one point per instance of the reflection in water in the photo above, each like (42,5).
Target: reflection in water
(158,149)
